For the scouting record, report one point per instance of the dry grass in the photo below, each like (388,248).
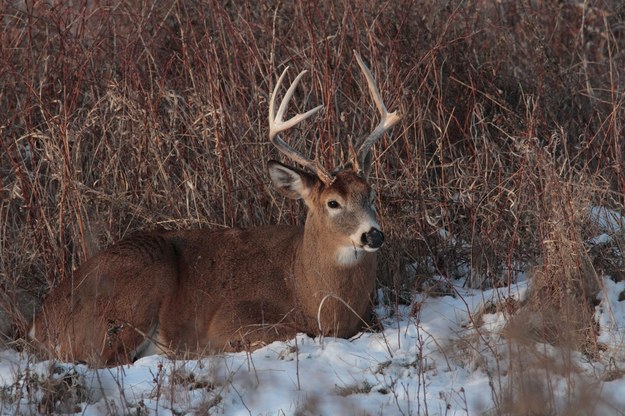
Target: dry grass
(119,116)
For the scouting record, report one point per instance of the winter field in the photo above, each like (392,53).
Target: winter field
(430,361)
(444,355)
(501,193)
(418,365)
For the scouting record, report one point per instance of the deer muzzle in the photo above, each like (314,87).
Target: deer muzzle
(372,239)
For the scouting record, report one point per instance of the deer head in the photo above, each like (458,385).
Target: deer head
(340,202)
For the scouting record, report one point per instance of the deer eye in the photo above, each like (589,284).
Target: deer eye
(332,204)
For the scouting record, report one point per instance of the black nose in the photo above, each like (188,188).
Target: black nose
(374,238)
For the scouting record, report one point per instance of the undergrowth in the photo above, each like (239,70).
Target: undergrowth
(120,116)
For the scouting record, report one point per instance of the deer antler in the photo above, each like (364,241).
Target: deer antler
(362,161)
(278,125)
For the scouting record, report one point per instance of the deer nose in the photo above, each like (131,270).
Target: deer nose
(374,238)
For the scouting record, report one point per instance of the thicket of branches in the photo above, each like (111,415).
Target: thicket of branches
(122,115)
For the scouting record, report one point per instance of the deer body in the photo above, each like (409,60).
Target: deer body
(201,291)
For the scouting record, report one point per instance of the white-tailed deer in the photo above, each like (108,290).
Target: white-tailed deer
(205,291)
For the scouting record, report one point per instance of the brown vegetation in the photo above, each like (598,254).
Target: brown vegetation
(119,116)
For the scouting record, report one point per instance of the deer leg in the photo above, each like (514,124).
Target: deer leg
(257,323)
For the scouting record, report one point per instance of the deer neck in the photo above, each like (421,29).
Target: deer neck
(322,255)
(325,270)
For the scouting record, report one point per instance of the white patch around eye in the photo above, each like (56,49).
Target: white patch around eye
(333,211)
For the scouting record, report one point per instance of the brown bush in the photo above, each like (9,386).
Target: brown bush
(121,115)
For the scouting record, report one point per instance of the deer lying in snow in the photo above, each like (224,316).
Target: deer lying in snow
(205,291)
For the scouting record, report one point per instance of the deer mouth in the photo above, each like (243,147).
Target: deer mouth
(370,242)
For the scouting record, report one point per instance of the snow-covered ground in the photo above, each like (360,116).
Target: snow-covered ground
(440,356)
(429,362)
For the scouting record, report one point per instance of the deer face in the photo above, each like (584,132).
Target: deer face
(348,206)
(343,210)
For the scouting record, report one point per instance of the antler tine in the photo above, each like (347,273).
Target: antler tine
(278,125)
(387,121)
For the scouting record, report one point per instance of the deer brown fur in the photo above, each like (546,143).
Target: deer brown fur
(203,291)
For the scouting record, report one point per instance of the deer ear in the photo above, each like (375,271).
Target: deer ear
(292,183)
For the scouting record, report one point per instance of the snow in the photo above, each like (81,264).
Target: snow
(439,356)
(417,365)
(607,220)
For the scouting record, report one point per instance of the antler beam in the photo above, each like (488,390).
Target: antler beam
(277,125)
(387,121)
